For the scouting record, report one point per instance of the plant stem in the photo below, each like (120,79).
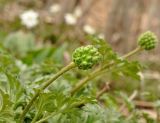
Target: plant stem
(44,119)
(35,117)
(61,111)
(46,84)
(84,81)
(132,52)
(100,71)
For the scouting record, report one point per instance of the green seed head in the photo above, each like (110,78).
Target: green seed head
(86,57)
(147,40)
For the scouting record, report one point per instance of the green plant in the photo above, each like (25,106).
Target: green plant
(146,41)
(85,63)
(102,69)
(27,94)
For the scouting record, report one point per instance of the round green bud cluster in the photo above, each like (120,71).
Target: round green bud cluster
(147,40)
(86,56)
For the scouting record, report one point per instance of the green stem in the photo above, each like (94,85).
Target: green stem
(100,71)
(61,111)
(80,84)
(138,49)
(35,117)
(49,116)
(84,81)
(103,69)
(131,53)
(62,71)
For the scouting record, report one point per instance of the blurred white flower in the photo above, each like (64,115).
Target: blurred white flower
(77,12)
(88,29)
(101,35)
(55,8)
(29,18)
(70,19)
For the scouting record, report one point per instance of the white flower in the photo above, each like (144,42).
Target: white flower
(29,18)
(77,12)
(88,29)
(70,19)
(55,8)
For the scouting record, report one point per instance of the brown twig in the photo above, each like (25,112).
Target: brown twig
(103,90)
(143,104)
